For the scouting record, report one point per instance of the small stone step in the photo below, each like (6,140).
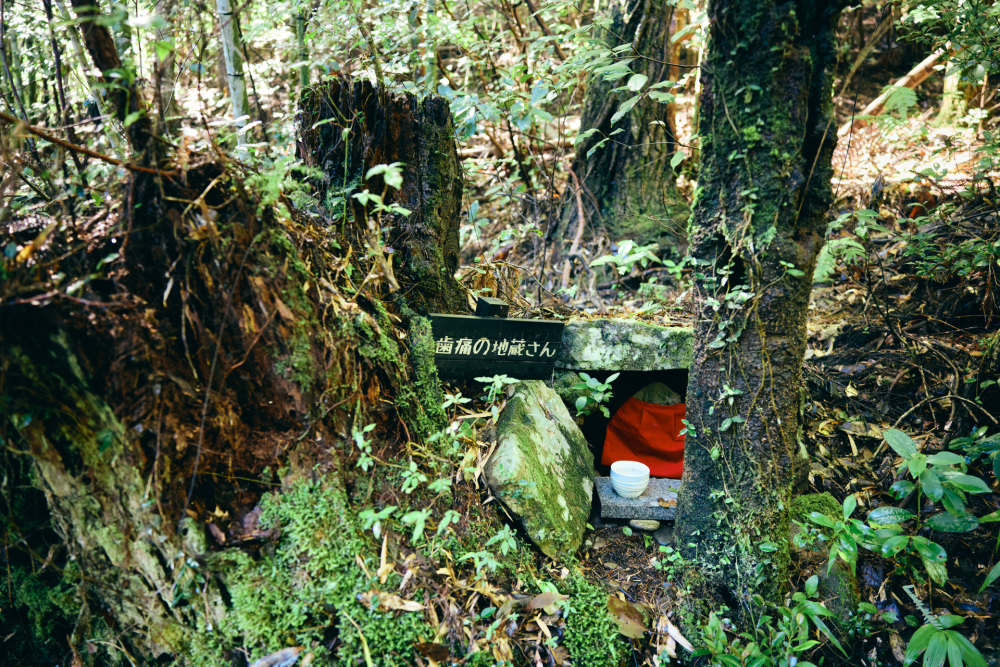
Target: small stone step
(646,506)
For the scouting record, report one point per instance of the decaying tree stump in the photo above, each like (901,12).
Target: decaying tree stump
(225,338)
(345,131)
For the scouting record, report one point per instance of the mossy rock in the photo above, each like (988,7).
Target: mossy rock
(543,470)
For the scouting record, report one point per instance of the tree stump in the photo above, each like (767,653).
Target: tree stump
(345,130)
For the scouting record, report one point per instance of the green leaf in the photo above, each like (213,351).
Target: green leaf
(163,49)
(991,577)
(591,152)
(931,485)
(929,550)
(583,135)
(968,483)
(812,584)
(677,158)
(625,107)
(917,465)
(937,650)
(992,517)
(950,620)
(918,643)
(945,459)
(887,514)
(949,523)
(937,571)
(954,653)
(996,465)
(953,502)
(894,545)
(663,98)
(636,82)
(970,654)
(581,402)
(850,504)
(901,488)
(901,443)
(132,117)
(821,519)
(821,626)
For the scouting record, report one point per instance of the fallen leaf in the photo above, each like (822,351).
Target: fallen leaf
(898,647)
(627,616)
(390,601)
(544,627)
(545,600)
(677,636)
(286,657)
(436,652)
(666,503)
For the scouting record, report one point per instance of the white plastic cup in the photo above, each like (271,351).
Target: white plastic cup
(629,478)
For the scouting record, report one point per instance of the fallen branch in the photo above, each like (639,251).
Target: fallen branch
(42,134)
(912,79)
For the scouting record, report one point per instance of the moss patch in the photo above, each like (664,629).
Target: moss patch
(591,634)
(307,590)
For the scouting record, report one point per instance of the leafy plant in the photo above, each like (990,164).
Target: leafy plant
(780,636)
(627,255)
(364,445)
(938,642)
(937,478)
(978,445)
(593,394)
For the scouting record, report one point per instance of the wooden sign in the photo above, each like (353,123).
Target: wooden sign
(467,347)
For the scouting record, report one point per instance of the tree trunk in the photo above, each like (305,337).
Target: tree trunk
(628,182)
(758,222)
(128,103)
(422,246)
(164,71)
(300,40)
(232,53)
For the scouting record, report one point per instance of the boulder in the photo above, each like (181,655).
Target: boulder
(542,469)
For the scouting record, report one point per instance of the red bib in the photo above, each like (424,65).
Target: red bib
(647,433)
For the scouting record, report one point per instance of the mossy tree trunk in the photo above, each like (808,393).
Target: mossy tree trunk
(628,185)
(757,225)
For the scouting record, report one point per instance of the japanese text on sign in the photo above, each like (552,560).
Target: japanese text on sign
(501,348)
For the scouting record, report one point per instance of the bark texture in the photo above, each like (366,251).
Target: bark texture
(345,131)
(628,183)
(757,225)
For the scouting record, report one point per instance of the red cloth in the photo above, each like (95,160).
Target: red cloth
(647,433)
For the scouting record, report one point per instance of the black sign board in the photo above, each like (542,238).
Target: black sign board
(467,346)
